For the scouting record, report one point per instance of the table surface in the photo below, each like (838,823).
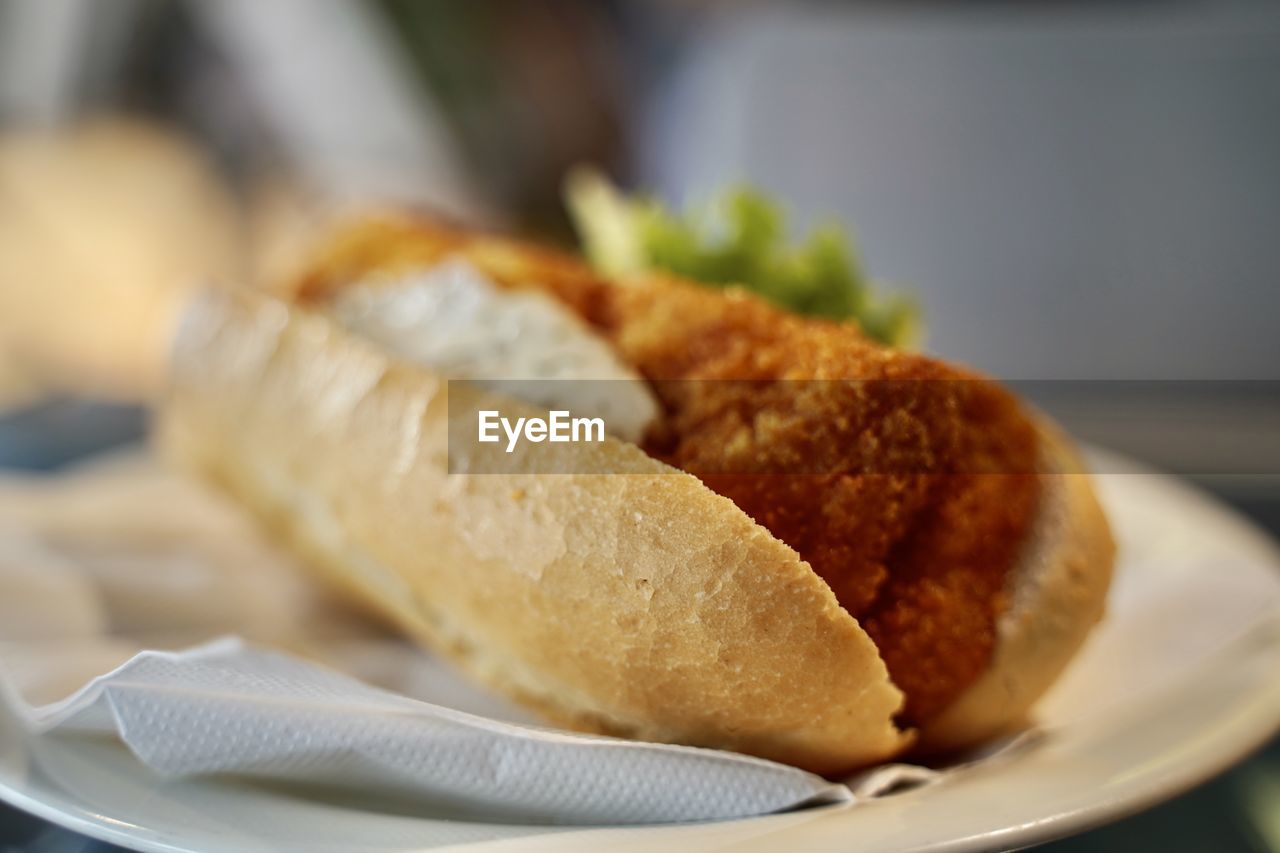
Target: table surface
(1239,812)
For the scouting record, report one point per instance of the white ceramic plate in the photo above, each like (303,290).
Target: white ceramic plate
(1178,683)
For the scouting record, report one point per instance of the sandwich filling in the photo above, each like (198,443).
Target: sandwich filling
(914,484)
(454,319)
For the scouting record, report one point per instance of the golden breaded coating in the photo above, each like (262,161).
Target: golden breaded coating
(907,484)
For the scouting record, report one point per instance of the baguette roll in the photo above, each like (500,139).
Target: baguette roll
(637,602)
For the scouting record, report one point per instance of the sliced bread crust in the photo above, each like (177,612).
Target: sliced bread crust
(640,604)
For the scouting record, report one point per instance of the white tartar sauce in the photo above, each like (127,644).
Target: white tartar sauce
(521,343)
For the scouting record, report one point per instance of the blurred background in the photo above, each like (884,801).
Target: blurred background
(1084,196)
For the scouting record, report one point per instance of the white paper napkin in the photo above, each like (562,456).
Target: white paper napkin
(228,708)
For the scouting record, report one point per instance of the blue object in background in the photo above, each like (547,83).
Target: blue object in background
(55,432)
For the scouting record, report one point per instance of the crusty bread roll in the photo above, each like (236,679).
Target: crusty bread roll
(637,604)
(641,603)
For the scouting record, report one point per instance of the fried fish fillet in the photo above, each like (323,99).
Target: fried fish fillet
(909,485)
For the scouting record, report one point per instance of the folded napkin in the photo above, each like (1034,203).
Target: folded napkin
(225,707)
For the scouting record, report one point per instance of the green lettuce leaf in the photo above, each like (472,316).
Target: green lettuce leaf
(739,239)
